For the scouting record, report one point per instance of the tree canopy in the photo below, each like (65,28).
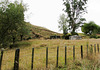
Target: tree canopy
(75,9)
(11,21)
(90,28)
(63,25)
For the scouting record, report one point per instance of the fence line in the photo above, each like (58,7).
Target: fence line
(17,53)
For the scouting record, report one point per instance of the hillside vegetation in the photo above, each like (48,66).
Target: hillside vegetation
(40,32)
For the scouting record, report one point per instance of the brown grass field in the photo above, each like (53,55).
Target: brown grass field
(90,63)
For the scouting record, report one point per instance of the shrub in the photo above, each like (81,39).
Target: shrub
(29,38)
(94,36)
(74,33)
(98,36)
(66,36)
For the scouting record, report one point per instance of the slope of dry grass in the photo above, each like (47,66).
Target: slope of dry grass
(40,31)
(90,63)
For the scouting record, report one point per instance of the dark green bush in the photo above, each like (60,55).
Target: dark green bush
(74,33)
(66,36)
(94,36)
(98,36)
(29,38)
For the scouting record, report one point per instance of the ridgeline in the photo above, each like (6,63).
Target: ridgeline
(40,32)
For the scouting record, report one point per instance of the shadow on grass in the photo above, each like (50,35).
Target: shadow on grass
(20,44)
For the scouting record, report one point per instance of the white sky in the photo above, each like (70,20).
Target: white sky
(46,13)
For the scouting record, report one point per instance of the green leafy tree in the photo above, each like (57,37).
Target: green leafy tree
(98,30)
(90,28)
(75,9)
(24,30)
(11,20)
(16,13)
(63,25)
(4,39)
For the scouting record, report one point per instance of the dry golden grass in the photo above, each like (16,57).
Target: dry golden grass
(40,55)
(41,31)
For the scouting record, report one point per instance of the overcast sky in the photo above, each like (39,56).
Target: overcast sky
(46,13)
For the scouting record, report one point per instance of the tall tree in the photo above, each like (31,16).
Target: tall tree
(75,9)
(12,18)
(16,13)
(3,23)
(63,25)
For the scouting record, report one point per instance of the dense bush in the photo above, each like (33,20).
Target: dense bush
(94,36)
(90,28)
(74,33)
(29,38)
(66,36)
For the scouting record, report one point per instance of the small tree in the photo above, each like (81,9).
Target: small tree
(75,9)
(63,25)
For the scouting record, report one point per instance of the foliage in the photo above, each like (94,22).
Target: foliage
(24,30)
(75,9)
(94,36)
(11,21)
(67,36)
(63,25)
(90,28)
(74,33)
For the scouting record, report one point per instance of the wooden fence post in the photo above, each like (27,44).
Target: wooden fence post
(73,52)
(46,57)
(81,52)
(95,48)
(65,55)
(98,47)
(91,50)
(87,50)
(1,58)
(16,61)
(32,58)
(57,56)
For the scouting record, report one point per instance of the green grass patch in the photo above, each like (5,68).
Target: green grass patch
(21,44)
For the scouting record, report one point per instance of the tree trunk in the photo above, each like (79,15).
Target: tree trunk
(63,31)
(13,40)
(73,31)
(21,37)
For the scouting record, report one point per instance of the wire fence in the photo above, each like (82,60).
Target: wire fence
(45,56)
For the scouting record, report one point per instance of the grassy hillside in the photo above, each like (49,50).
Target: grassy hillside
(40,32)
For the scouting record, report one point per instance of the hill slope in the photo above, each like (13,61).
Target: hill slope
(40,32)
